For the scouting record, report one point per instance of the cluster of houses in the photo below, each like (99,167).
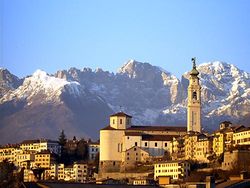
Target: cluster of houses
(34,155)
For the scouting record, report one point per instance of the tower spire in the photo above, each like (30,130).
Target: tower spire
(194,71)
(194,63)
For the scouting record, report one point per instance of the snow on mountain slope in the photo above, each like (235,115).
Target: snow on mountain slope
(225,92)
(40,83)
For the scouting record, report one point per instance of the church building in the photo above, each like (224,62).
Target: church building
(122,144)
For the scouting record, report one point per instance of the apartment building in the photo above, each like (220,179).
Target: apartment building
(174,169)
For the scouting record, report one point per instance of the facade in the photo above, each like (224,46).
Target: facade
(241,136)
(39,145)
(93,149)
(192,146)
(24,158)
(224,138)
(78,172)
(174,169)
(81,172)
(44,159)
(194,101)
(239,159)
(9,152)
(134,155)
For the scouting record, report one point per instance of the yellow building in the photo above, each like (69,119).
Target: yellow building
(8,152)
(198,147)
(241,136)
(174,169)
(224,137)
(193,146)
(24,159)
(40,145)
(194,101)
(28,176)
(44,159)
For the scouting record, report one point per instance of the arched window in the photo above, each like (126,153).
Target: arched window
(194,95)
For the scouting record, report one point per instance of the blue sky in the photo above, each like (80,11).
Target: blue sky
(55,34)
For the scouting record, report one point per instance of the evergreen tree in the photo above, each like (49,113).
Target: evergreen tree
(62,139)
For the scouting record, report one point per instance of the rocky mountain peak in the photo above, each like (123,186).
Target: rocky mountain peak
(138,70)
(8,81)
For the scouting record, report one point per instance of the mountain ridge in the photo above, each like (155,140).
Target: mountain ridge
(149,93)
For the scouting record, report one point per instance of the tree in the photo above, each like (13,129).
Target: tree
(62,139)
(7,177)
(82,150)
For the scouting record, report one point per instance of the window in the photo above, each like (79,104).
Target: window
(135,143)
(166,144)
(194,95)
(114,163)
(113,121)
(134,149)
(128,137)
(128,158)
(120,121)
(155,144)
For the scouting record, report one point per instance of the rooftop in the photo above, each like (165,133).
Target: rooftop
(121,114)
(158,128)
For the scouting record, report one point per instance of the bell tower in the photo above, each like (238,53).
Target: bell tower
(194,101)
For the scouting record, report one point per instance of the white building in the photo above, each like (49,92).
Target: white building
(119,137)
(93,149)
(174,169)
(78,172)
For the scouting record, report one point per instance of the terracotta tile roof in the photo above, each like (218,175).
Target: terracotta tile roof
(110,128)
(30,141)
(173,161)
(38,141)
(241,129)
(133,134)
(147,137)
(158,128)
(121,114)
(235,128)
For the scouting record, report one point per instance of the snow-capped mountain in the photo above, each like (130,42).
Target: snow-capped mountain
(44,105)
(80,101)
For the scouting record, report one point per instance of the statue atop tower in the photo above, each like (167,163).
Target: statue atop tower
(194,100)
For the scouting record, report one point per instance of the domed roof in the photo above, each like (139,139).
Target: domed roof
(194,71)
